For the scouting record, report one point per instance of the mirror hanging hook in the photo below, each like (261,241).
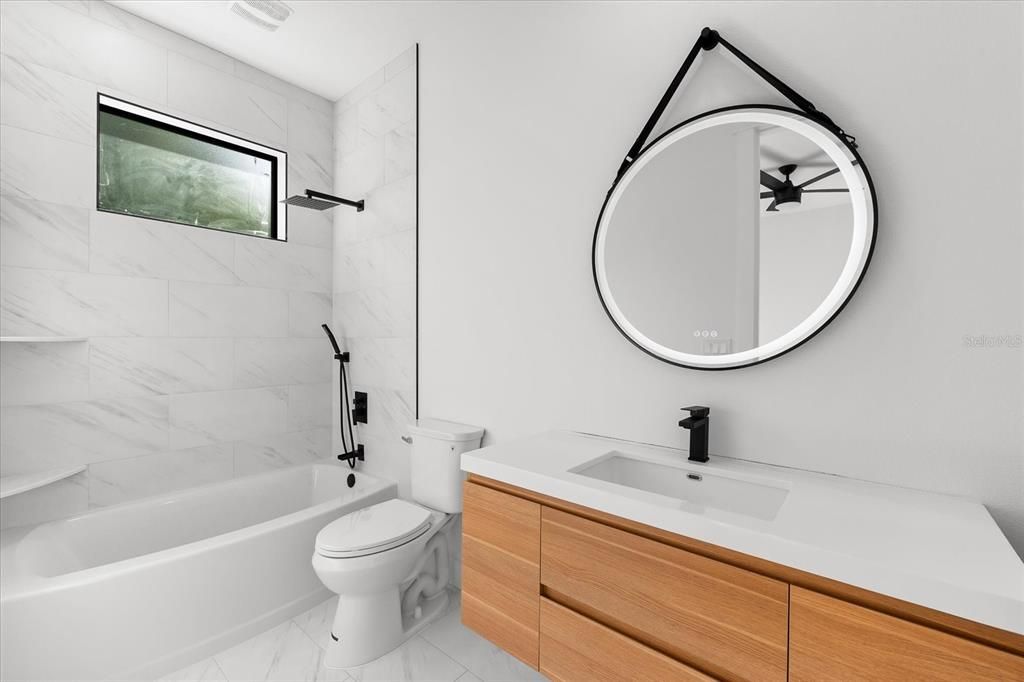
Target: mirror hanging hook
(708,40)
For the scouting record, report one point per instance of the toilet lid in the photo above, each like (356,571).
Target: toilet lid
(373,529)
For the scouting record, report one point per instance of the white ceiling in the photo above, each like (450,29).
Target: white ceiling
(326,46)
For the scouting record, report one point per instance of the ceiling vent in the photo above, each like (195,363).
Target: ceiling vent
(267,14)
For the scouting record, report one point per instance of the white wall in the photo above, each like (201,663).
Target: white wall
(525,116)
(204,357)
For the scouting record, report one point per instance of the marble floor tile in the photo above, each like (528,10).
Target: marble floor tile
(294,652)
(469,677)
(416,661)
(316,622)
(203,671)
(283,653)
(480,657)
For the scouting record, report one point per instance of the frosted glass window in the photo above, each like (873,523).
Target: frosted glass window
(155,166)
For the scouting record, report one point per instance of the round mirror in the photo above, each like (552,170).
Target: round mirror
(734,237)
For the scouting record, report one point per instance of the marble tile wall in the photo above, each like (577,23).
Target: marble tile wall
(376,268)
(375,258)
(375,265)
(204,357)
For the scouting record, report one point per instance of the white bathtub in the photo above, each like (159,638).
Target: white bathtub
(138,590)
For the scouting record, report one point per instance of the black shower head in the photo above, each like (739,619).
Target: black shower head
(320,201)
(330,335)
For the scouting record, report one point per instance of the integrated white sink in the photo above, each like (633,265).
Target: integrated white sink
(938,551)
(693,485)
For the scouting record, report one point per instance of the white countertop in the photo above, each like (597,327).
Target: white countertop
(938,551)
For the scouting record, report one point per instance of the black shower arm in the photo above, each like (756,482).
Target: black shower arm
(708,40)
(358,205)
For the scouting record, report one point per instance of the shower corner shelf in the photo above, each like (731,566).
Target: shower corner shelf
(41,339)
(21,483)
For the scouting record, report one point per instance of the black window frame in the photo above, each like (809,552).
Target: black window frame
(277,157)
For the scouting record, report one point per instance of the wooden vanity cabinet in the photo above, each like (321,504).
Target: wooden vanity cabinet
(830,639)
(574,648)
(583,596)
(501,570)
(727,621)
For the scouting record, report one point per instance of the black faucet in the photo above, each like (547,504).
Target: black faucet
(697,425)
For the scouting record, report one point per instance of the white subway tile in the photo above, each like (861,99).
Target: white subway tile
(361,91)
(308,171)
(45,168)
(277,362)
(33,373)
(116,17)
(80,6)
(400,152)
(400,63)
(383,362)
(360,170)
(389,208)
(36,234)
(392,105)
(45,101)
(380,311)
(37,437)
(288,90)
(309,130)
(309,406)
(388,457)
(218,96)
(117,481)
(126,245)
(220,416)
(218,310)
(57,500)
(387,261)
(310,227)
(147,412)
(80,46)
(267,263)
(306,312)
(348,136)
(390,412)
(394,207)
(159,366)
(282,450)
(48,302)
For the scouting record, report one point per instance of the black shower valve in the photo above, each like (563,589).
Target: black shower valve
(359,407)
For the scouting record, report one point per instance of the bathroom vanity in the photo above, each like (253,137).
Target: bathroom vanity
(591,558)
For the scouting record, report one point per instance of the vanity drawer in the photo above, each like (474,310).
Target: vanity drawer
(573,648)
(501,569)
(719,618)
(835,640)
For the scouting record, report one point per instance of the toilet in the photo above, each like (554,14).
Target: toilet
(388,562)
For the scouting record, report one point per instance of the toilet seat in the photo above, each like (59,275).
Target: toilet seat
(373,529)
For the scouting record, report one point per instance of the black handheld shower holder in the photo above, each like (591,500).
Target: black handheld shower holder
(357,453)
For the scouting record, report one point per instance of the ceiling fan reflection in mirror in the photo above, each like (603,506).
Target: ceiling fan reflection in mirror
(784,194)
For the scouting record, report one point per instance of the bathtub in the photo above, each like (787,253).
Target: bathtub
(138,590)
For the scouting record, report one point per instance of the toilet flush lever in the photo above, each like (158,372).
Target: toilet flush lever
(407,440)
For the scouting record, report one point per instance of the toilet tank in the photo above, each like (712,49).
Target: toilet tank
(437,448)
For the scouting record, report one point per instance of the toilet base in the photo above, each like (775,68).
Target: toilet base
(368,626)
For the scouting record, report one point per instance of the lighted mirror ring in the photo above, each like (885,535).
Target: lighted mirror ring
(865,228)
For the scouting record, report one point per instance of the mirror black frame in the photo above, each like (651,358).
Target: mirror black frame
(841,139)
